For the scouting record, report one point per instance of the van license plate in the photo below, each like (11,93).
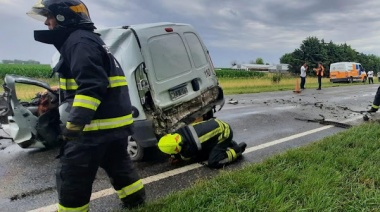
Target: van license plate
(178,92)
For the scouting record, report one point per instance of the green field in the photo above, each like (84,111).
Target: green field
(232,81)
(241,86)
(36,71)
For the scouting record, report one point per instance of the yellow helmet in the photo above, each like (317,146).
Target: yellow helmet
(170,143)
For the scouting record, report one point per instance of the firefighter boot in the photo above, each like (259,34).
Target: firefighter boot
(372,110)
(239,148)
(134,200)
(242,146)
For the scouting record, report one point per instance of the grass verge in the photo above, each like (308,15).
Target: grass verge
(258,85)
(339,173)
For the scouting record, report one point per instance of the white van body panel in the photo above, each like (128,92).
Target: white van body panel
(168,61)
(123,45)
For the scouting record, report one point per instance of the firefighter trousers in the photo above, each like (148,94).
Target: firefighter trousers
(376,101)
(223,153)
(79,162)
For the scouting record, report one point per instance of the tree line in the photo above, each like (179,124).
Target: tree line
(312,50)
(20,62)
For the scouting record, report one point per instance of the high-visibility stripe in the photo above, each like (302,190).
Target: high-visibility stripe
(111,123)
(375,106)
(229,155)
(225,131)
(233,153)
(83,208)
(86,102)
(117,81)
(67,84)
(130,189)
(209,135)
(71,126)
(70,84)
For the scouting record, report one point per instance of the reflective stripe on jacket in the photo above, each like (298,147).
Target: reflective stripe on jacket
(210,133)
(98,89)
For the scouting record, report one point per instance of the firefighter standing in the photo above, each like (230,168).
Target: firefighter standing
(99,111)
(376,102)
(210,139)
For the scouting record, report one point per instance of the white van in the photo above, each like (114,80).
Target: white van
(170,76)
(347,72)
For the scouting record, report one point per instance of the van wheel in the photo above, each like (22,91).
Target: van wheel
(351,80)
(135,151)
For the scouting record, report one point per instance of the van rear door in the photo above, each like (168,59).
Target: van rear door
(179,69)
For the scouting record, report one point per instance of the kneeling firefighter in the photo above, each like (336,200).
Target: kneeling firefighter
(99,120)
(210,139)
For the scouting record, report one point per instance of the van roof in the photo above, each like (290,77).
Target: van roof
(138,27)
(343,62)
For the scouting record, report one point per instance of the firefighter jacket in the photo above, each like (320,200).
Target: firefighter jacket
(200,138)
(91,79)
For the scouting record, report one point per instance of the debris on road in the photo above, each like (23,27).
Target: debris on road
(234,102)
(324,122)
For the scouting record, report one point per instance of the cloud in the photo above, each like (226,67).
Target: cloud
(232,30)
(5,3)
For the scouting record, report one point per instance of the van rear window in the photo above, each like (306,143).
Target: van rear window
(169,56)
(196,50)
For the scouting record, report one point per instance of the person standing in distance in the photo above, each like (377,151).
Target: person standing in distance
(99,112)
(319,72)
(370,77)
(303,76)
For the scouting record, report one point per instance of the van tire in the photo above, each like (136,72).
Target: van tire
(135,151)
(351,80)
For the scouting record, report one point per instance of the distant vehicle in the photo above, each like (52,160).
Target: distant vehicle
(171,80)
(347,72)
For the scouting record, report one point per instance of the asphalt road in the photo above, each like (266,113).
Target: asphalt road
(267,122)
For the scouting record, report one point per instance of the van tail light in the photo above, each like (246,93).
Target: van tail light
(169,29)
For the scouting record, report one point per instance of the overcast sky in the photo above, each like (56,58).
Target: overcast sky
(233,30)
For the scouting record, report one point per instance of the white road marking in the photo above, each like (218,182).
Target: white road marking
(157,177)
